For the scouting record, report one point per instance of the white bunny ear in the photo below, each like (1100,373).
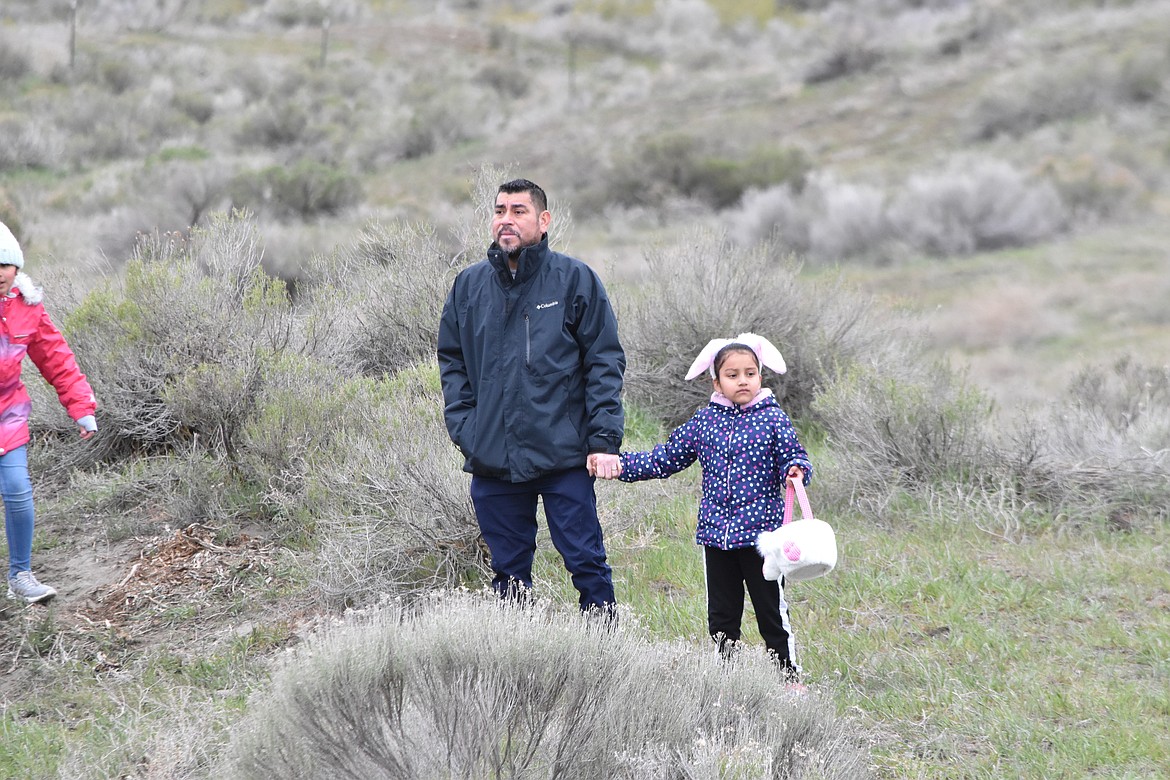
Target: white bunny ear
(765,351)
(706,357)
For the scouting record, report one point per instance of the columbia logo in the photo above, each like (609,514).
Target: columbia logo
(540,306)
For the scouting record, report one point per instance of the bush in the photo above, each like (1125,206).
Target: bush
(305,190)
(117,74)
(975,205)
(891,429)
(1141,75)
(1018,104)
(184,187)
(386,495)
(503,80)
(777,214)
(1102,452)
(464,687)
(827,221)
(1104,449)
(850,46)
(199,106)
(14,64)
(175,348)
(443,114)
(366,467)
(99,126)
(1094,189)
(199,357)
(848,220)
(139,497)
(389,287)
(676,164)
(274,123)
(10,216)
(705,287)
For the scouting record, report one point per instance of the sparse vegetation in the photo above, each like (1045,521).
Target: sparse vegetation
(835,176)
(820,328)
(405,693)
(305,190)
(14,64)
(972,205)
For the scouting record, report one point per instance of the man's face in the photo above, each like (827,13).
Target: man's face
(517,223)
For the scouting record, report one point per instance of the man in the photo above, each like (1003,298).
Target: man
(532,371)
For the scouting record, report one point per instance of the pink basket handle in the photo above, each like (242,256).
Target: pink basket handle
(795,488)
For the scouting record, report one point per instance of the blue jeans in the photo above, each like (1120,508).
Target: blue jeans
(16,489)
(507,518)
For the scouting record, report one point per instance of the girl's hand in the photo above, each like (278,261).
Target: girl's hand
(87,426)
(796,473)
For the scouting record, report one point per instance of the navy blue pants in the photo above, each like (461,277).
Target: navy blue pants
(507,519)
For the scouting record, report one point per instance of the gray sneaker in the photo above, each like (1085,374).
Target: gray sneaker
(24,586)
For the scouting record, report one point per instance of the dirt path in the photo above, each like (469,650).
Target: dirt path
(117,601)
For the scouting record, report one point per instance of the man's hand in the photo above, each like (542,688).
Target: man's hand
(603,465)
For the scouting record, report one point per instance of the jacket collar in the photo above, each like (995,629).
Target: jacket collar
(24,285)
(722,400)
(530,260)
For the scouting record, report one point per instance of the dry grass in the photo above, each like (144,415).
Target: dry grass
(1026,322)
(418,694)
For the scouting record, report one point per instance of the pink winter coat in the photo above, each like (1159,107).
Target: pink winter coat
(25,328)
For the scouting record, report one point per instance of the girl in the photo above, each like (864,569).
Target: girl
(747,448)
(25,328)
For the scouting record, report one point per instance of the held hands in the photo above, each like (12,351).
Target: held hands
(796,474)
(604,465)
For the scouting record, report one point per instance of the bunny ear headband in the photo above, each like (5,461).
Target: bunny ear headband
(767,354)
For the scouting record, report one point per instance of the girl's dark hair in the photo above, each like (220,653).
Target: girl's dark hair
(722,355)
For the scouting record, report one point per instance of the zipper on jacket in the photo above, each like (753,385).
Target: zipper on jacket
(727,489)
(527,342)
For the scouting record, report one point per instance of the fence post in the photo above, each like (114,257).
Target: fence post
(72,33)
(324,40)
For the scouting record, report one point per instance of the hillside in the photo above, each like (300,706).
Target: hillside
(996,173)
(641,118)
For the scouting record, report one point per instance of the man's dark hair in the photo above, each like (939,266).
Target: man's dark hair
(539,199)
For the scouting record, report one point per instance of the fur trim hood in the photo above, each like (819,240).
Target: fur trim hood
(27,288)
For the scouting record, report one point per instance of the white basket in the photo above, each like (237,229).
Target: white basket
(801,549)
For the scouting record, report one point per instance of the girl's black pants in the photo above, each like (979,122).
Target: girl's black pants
(727,573)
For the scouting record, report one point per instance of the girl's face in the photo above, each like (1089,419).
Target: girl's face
(7,277)
(738,377)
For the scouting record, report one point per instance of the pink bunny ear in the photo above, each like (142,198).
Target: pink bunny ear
(706,357)
(768,354)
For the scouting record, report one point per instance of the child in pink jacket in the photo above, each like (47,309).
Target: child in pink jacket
(25,329)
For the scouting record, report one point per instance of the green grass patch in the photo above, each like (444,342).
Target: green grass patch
(966,654)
